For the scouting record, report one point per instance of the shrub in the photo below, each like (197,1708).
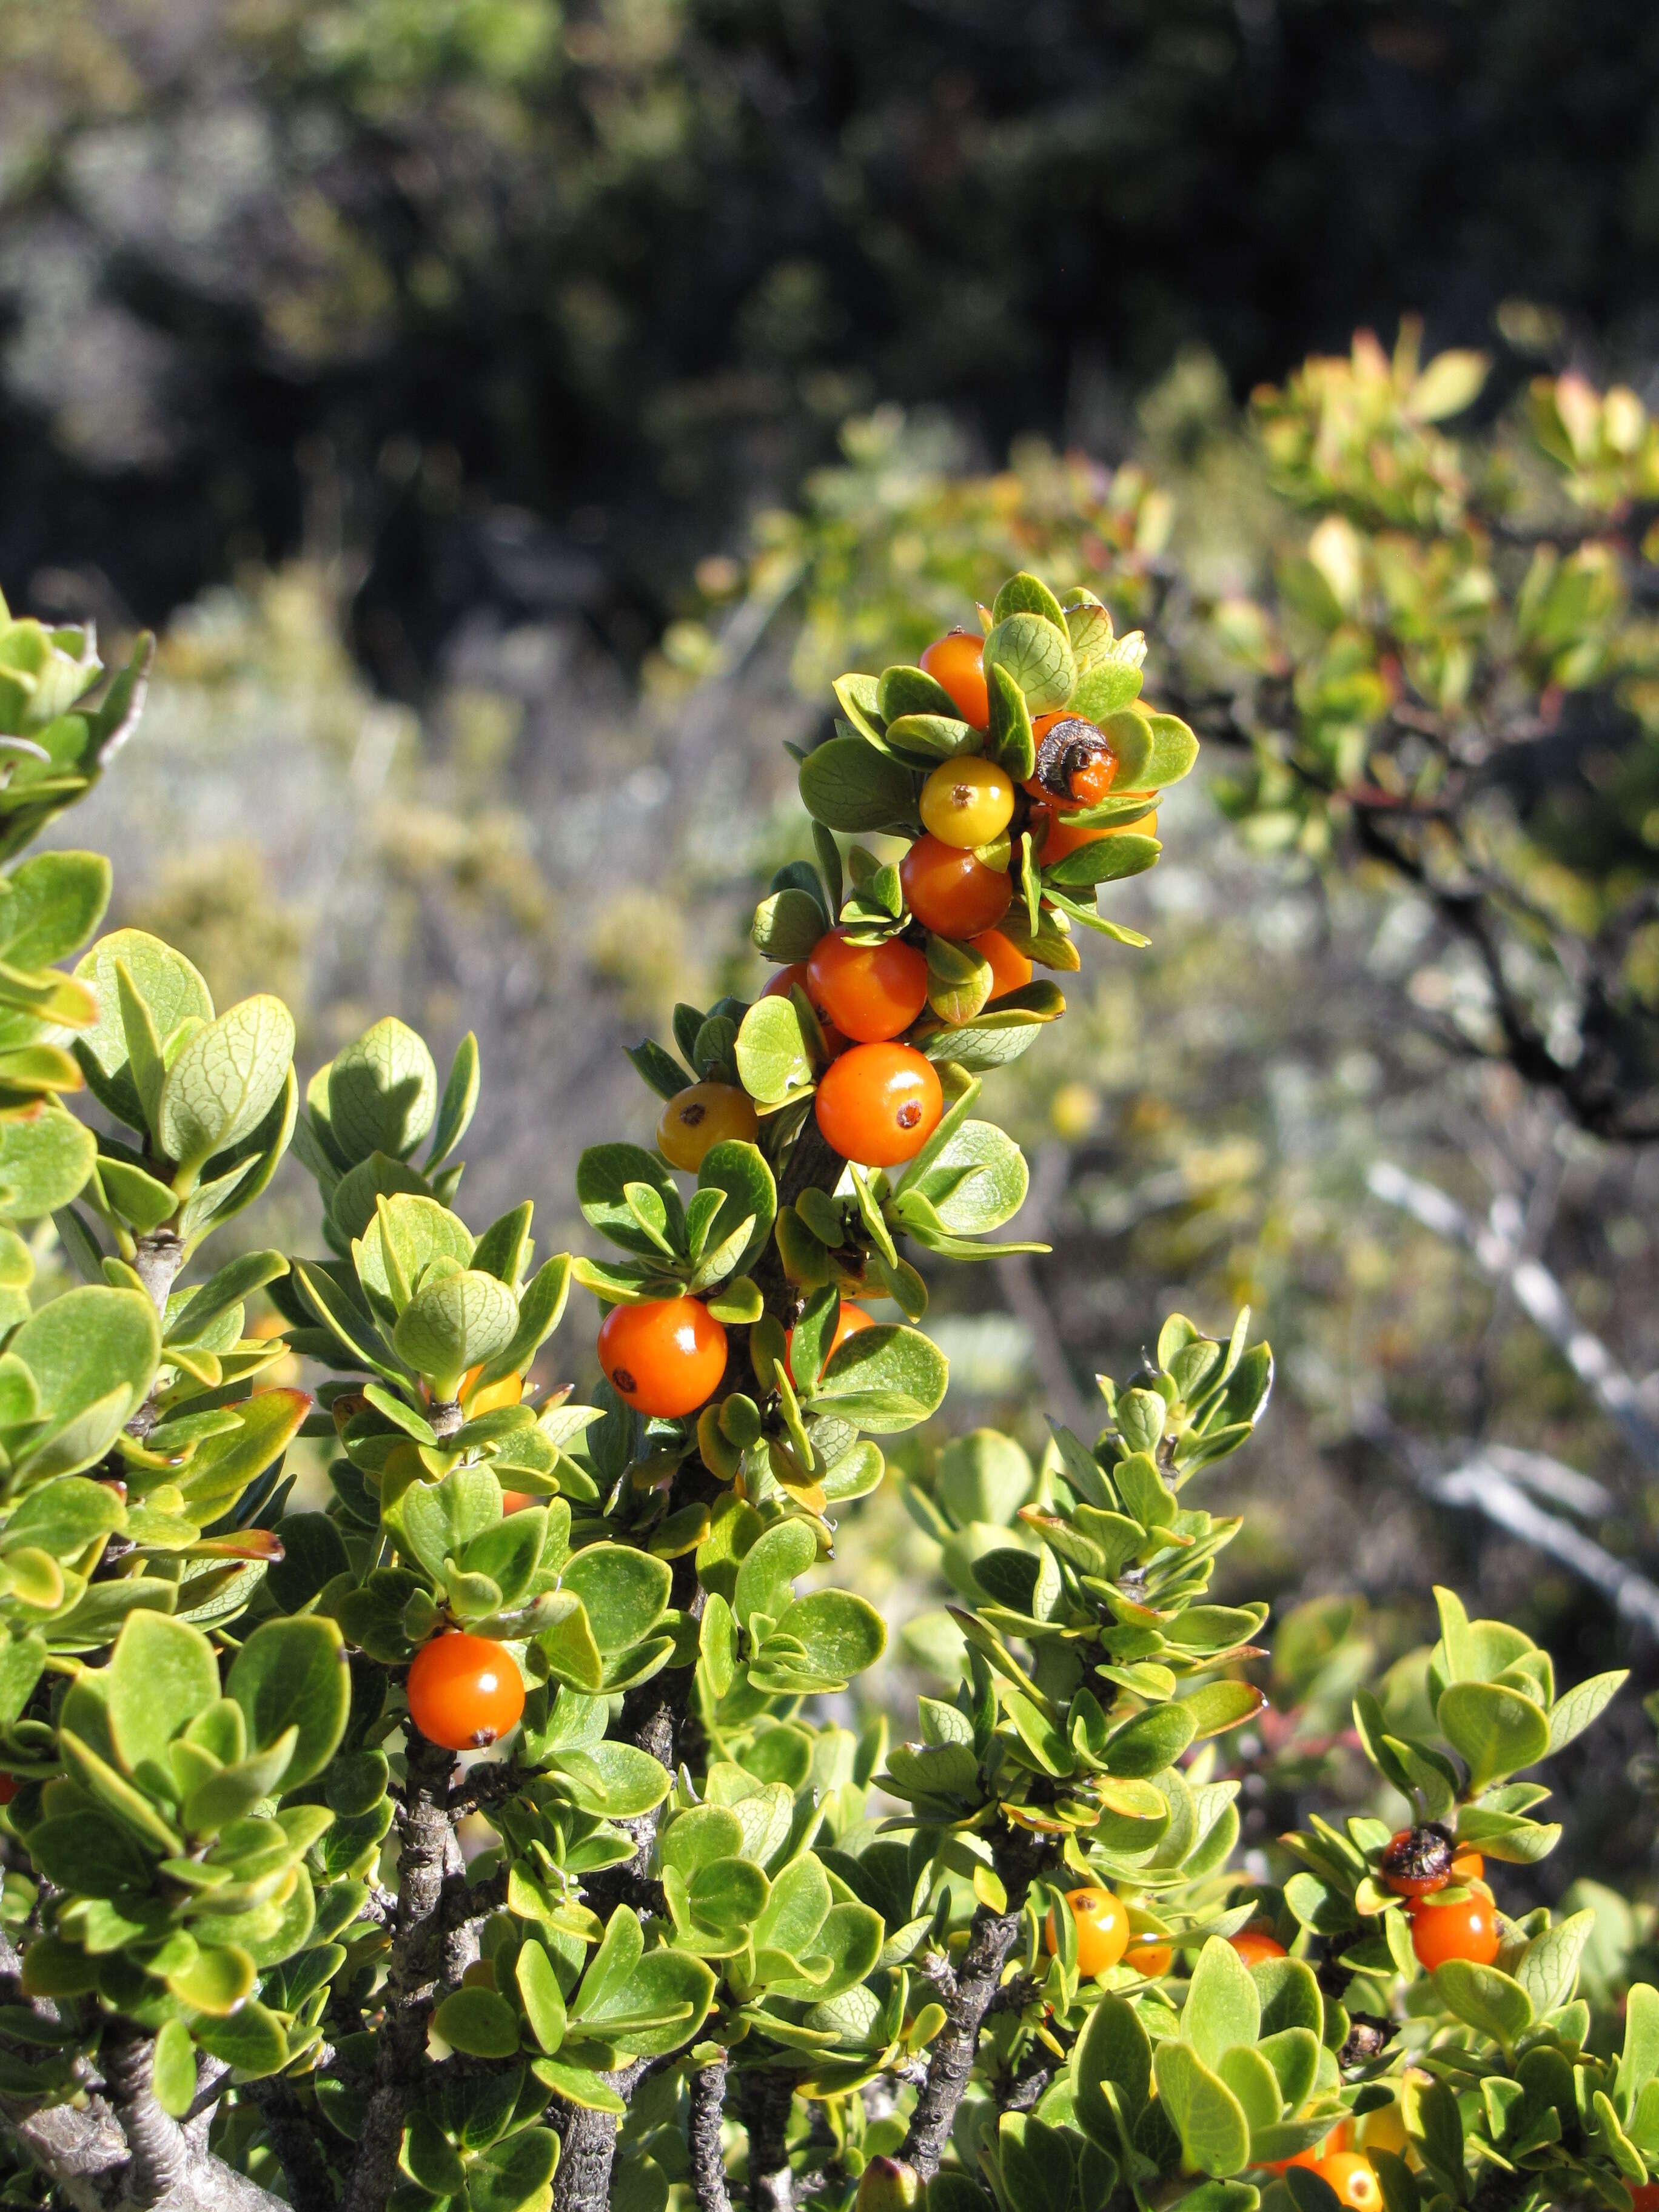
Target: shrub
(1014,1961)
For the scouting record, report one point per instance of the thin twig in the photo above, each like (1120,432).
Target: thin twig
(1534,1290)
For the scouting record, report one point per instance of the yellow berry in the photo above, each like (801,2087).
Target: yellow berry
(701,1116)
(967,802)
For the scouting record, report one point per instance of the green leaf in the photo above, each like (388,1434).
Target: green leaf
(169,987)
(787,925)
(456,1107)
(1548,1969)
(230,1286)
(91,1354)
(1492,2002)
(224,1465)
(1639,2060)
(62,1517)
(162,1674)
(847,784)
(624,1592)
(478,2022)
(250,2039)
(1495,1731)
(293,1673)
(842,1634)
(905,691)
(1104,861)
(44,1163)
(1037,654)
(1223,2007)
(540,1995)
(382,1091)
(541,1309)
(1114,2049)
(431,2159)
(738,1170)
(224,1081)
(884,1380)
(604,1173)
(453,1324)
(1573,1711)
(173,2071)
(1208,2117)
(772,1056)
(218,1980)
(932,737)
(1028,594)
(975,1181)
(1012,744)
(766,1577)
(513,2176)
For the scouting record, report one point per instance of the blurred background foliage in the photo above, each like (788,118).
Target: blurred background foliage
(513,414)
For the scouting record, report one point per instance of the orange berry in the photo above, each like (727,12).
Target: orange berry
(1151,1959)
(951,893)
(1254,1945)
(464,1691)
(956,663)
(665,1356)
(1644,2197)
(700,1117)
(868,992)
(1010,969)
(879,1103)
(1339,2139)
(1444,1932)
(1468,1865)
(507,1392)
(850,1320)
(1103,1930)
(1354,2177)
(515,1501)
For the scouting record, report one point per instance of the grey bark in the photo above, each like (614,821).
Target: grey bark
(952,2059)
(295,2137)
(707,2094)
(763,2102)
(588,2146)
(413,1977)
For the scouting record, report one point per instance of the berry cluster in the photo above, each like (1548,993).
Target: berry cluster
(1008,764)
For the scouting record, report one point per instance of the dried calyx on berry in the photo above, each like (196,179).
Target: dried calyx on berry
(1418,1860)
(1065,748)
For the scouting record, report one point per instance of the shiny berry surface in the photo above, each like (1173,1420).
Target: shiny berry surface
(1468,1930)
(956,663)
(951,893)
(967,802)
(665,1356)
(700,1117)
(1354,2177)
(464,1691)
(1255,1945)
(868,992)
(1010,969)
(879,1103)
(1103,1930)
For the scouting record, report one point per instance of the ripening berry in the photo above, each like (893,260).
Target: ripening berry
(1468,1865)
(967,801)
(956,663)
(850,1320)
(879,1103)
(515,1501)
(1103,1930)
(665,1356)
(1151,1959)
(1644,2197)
(507,1392)
(1444,1932)
(1340,2138)
(1010,969)
(1418,1861)
(8,1788)
(464,1691)
(1385,2129)
(1255,1945)
(701,1116)
(951,893)
(887,2185)
(867,991)
(1354,2177)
